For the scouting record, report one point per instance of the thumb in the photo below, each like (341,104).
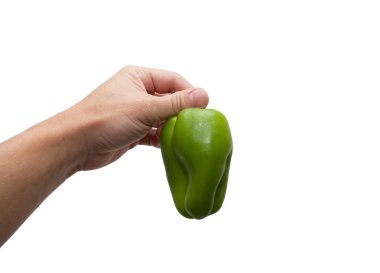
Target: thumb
(170,105)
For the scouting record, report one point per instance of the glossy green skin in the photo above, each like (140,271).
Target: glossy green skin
(196,148)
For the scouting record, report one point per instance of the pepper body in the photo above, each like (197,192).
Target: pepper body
(196,149)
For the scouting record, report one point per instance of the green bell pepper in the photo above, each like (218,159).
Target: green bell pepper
(196,149)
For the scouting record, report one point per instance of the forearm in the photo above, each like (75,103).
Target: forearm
(33,164)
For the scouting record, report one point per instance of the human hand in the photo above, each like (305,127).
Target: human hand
(128,110)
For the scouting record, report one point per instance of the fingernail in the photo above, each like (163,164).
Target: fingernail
(198,97)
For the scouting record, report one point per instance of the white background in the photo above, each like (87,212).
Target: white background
(299,83)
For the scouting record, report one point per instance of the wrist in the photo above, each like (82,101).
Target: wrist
(71,135)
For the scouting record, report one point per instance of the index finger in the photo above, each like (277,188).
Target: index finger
(162,81)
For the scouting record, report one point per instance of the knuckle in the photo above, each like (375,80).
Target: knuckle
(176,103)
(178,76)
(128,69)
(148,111)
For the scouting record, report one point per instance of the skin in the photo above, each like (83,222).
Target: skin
(125,111)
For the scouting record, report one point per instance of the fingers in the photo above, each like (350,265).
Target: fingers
(167,106)
(161,81)
(170,105)
(171,94)
(151,139)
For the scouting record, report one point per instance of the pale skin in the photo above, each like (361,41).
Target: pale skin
(125,111)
